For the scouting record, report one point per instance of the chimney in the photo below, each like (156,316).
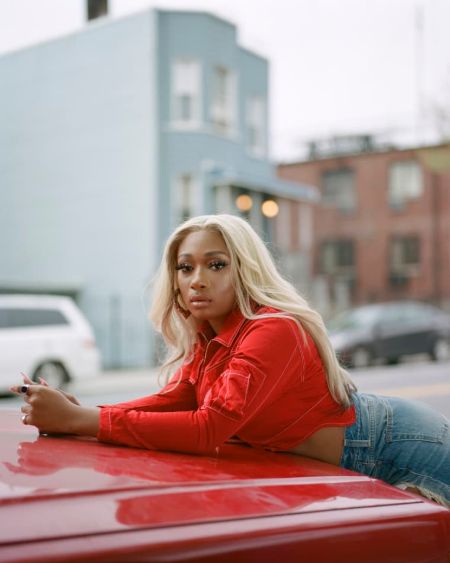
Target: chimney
(96,9)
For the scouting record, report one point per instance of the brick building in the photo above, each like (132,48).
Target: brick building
(382,228)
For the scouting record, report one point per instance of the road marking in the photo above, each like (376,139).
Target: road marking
(417,392)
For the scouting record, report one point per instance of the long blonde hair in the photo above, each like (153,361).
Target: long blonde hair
(256,279)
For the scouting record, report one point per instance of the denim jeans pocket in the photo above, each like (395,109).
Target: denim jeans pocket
(358,453)
(412,420)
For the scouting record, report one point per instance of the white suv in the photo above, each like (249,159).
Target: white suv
(45,336)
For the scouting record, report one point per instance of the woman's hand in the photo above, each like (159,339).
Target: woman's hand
(55,412)
(48,409)
(28,381)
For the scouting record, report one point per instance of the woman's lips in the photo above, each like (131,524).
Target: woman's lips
(200,302)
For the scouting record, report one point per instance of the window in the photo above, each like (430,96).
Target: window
(256,125)
(337,257)
(404,259)
(405,183)
(414,313)
(223,100)
(186,93)
(185,197)
(23,318)
(339,189)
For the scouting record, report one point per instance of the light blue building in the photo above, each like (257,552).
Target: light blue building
(109,137)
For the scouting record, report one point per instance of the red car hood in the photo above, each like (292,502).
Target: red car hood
(65,487)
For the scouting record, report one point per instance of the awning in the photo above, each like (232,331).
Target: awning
(271,185)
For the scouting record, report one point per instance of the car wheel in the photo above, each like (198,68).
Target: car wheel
(441,350)
(53,373)
(361,358)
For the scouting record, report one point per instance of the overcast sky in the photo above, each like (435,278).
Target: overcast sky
(337,66)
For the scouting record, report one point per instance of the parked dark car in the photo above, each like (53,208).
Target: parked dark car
(389,331)
(74,499)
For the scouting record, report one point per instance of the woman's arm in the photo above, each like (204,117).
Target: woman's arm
(177,395)
(250,380)
(51,410)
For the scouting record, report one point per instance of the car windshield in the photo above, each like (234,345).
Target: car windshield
(352,320)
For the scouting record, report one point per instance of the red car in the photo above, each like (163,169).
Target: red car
(75,499)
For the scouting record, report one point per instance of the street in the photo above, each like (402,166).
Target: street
(417,379)
(421,380)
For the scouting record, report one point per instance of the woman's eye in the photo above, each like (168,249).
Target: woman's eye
(184,267)
(217,265)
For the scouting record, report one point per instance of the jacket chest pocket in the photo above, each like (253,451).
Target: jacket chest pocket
(229,394)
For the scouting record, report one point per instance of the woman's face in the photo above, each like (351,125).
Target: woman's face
(204,277)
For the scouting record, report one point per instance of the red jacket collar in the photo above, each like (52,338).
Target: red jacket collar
(230,328)
(229,331)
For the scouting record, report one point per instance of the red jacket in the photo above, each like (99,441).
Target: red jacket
(258,380)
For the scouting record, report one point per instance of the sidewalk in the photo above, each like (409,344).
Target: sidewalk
(118,380)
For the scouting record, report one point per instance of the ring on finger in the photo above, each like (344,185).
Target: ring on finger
(24,418)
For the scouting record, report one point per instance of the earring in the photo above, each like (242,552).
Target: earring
(183,312)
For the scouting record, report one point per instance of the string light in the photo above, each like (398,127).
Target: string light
(270,208)
(244,202)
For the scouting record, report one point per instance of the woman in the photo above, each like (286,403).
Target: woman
(249,359)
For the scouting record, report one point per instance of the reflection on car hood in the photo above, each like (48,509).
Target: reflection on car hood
(69,488)
(135,487)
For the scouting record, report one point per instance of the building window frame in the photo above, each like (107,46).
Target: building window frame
(185,196)
(339,190)
(186,93)
(337,257)
(404,258)
(255,114)
(405,183)
(223,103)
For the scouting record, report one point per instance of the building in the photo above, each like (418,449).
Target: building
(110,137)
(382,228)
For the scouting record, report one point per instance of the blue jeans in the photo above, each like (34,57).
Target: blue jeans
(403,442)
